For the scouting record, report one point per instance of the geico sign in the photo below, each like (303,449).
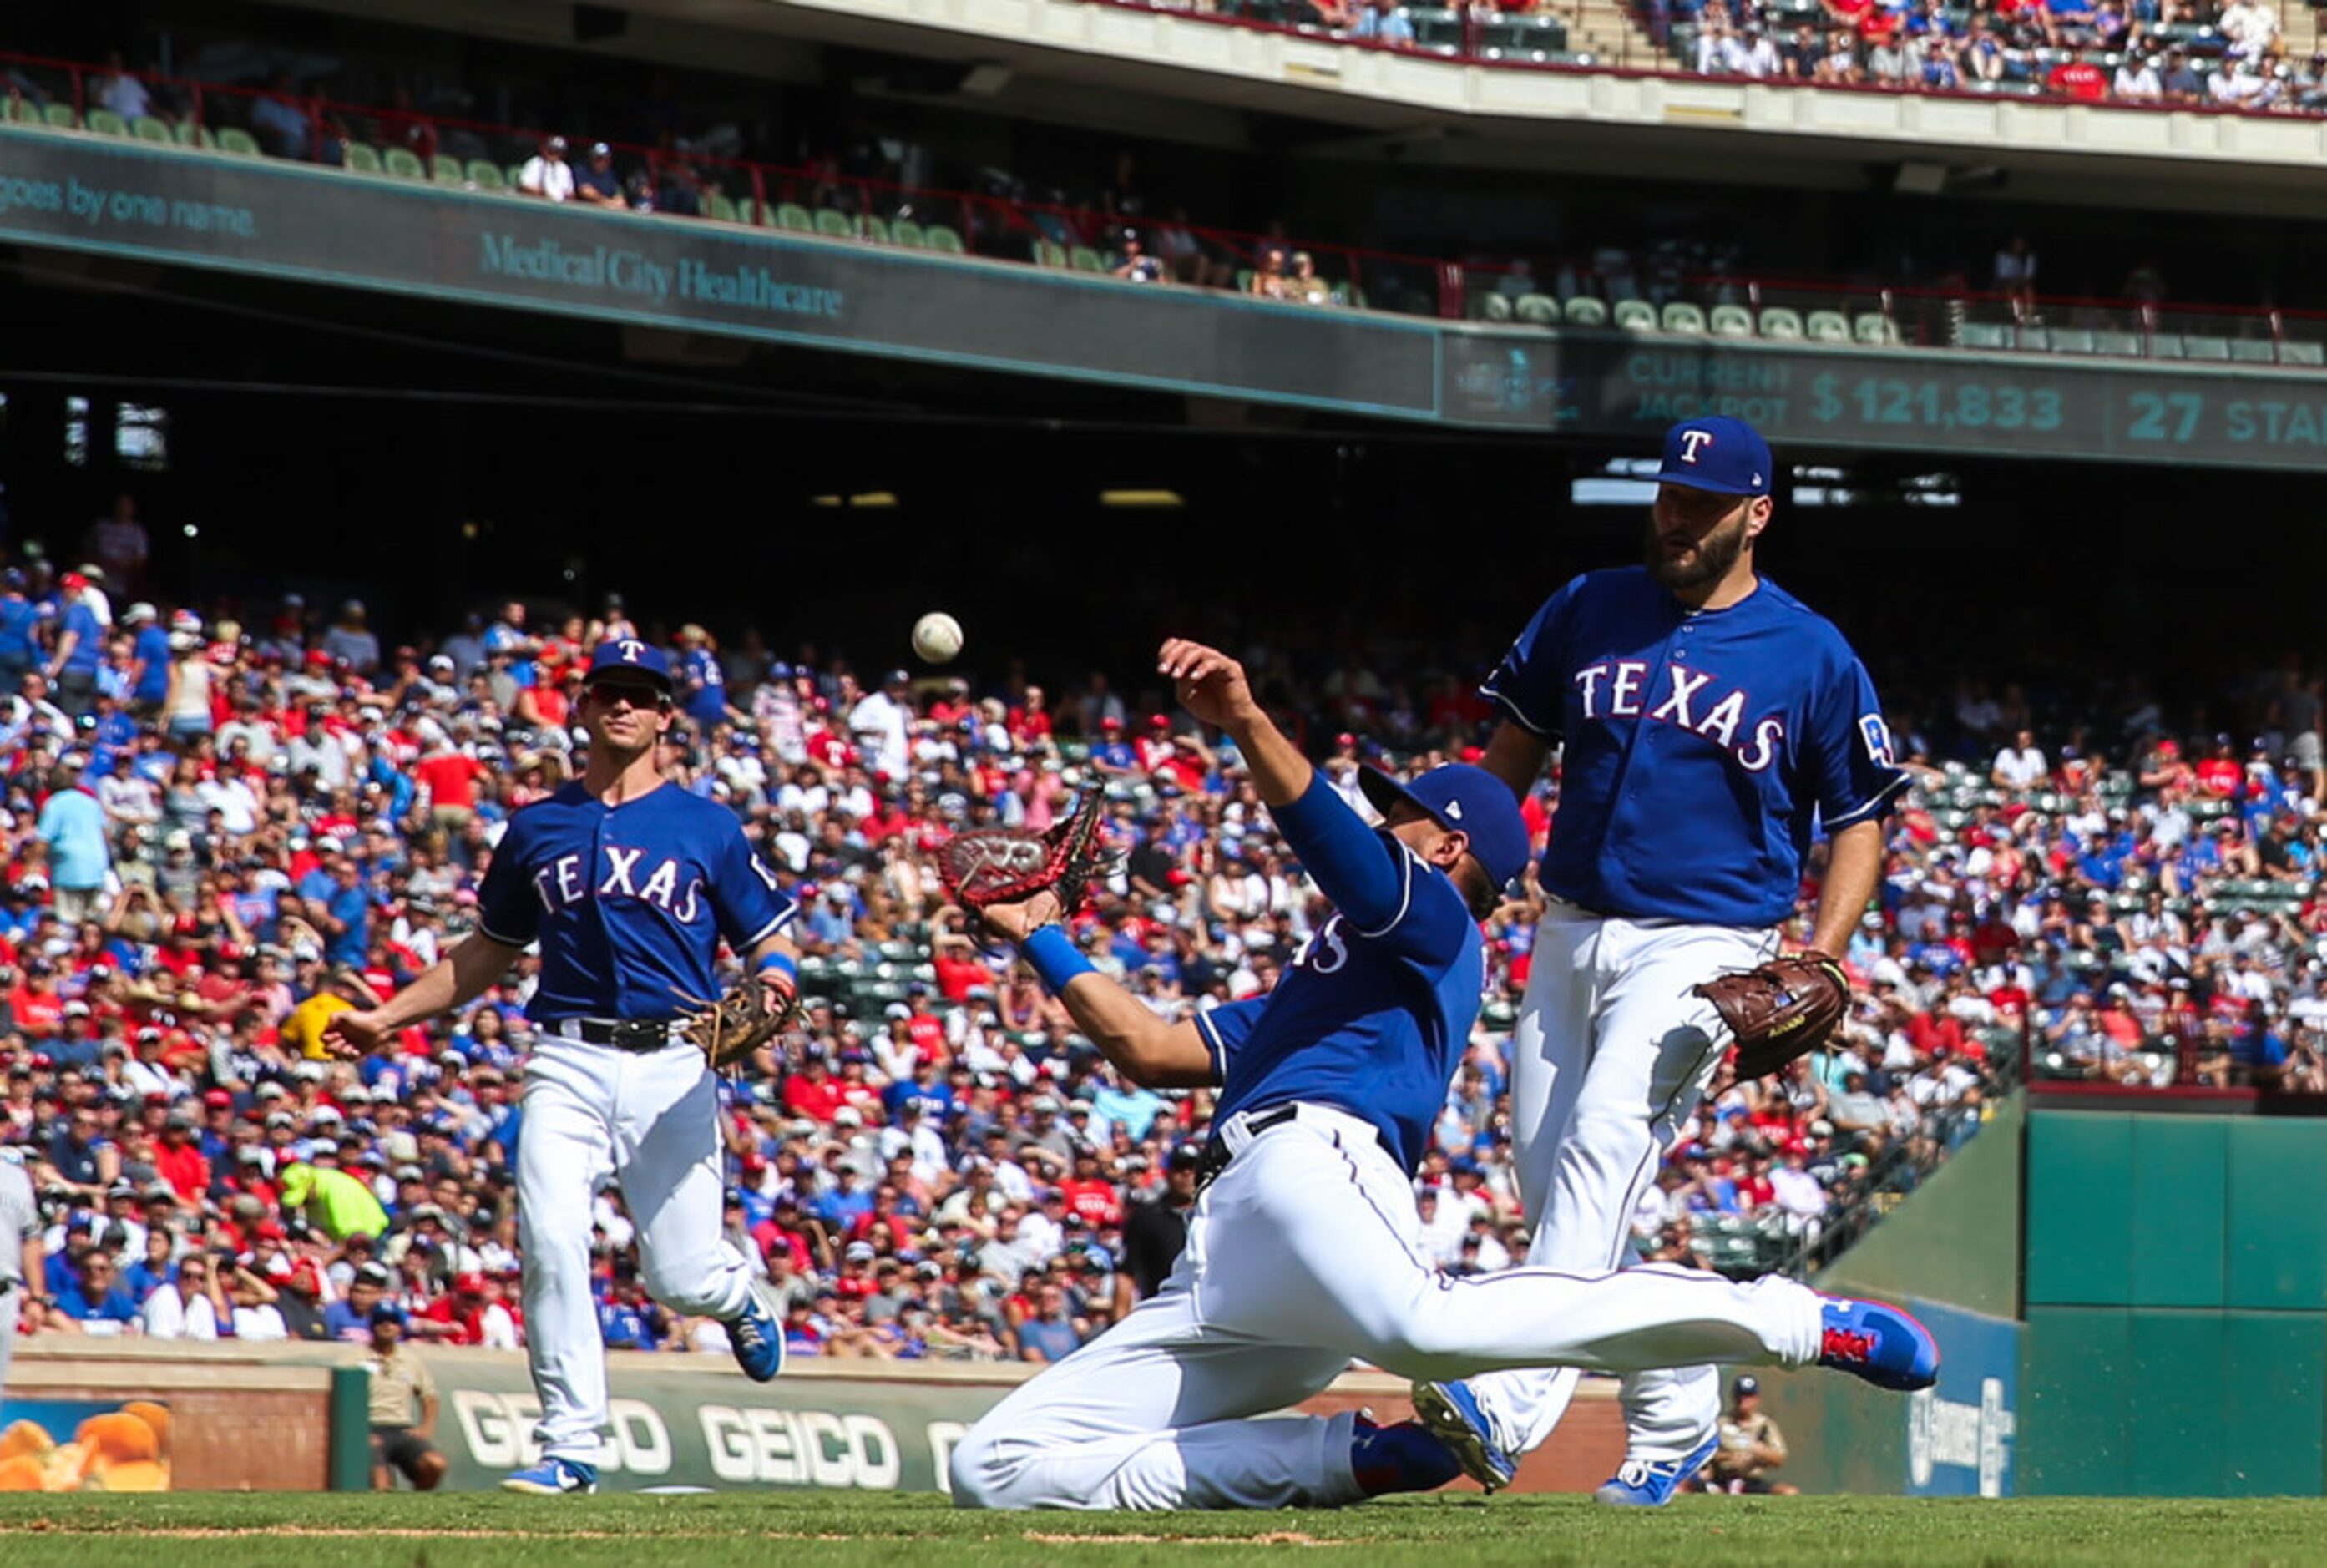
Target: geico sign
(812,1448)
(498,1430)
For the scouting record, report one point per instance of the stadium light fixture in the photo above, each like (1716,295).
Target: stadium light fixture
(1160,499)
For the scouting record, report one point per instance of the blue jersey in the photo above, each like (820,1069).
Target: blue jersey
(1699,745)
(628,902)
(706,703)
(1374,1016)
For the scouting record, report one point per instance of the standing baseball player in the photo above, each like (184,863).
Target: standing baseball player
(1709,720)
(1303,1247)
(629,883)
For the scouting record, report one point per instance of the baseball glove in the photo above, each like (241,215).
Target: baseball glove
(1001,865)
(730,1030)
(1777,1012)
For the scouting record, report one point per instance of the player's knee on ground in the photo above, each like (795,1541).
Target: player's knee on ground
(980,1479)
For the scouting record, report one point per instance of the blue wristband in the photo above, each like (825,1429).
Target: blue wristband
(1055,960)
(780,963)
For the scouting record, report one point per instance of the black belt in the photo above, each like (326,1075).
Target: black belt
(623,1033)
(1214,1157)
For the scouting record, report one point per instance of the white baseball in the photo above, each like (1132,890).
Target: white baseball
(937,636)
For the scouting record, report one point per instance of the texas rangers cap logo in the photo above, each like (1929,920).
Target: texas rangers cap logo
(1716,454)
(1693,441)
(631,648)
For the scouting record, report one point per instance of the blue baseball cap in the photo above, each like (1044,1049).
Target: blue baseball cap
(631,656)
(387,1312)
(1462,800)
(1717,453)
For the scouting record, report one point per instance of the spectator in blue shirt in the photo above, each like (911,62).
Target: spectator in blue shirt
(81,649)
(1381,21)
(72,824)
(96,1295)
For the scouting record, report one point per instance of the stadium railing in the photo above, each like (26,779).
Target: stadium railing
(392,144)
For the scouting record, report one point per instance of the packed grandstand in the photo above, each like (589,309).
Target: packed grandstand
(225,821)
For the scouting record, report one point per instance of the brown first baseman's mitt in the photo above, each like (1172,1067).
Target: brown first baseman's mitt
(1779,1010)
(1001,865)
(730,1030)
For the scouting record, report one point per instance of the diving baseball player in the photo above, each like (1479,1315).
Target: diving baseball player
(629,885)
(1303,1245)
(1709,720)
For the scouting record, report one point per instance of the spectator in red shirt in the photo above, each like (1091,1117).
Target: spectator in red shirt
(812,1091)
(1090,1195)
(180,1160)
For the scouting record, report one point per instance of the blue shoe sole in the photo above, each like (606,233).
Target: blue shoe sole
(1482,1461)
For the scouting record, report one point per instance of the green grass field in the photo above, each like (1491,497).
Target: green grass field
(647,1531)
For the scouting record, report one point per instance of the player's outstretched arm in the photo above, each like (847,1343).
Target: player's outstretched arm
(1212,686)
(460,977)
(1340,852)
(1854,864)
(1136,1044)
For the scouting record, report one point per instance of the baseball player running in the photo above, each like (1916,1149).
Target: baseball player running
(1302,1247)
(1708,719)
(629,885)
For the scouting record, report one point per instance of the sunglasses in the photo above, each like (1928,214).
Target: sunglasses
(637,696)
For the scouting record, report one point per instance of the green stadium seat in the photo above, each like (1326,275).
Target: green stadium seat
(486,175)
(792,215)
(2124,345)
(23,111)
(2301,352)
(747,210)
(1634,317)
(834,225)
(239,142)
(1244,280)
(1436,29)
(1876,327)
(1495,307)
(2035,340)
(2071,340)
(1680,316)
(61,117)
(402,163)
(1536,310)
(2196,347)
(446,169)
(1584,311)
(716,205)
(940,237)
(1827,327)
(105,123)
(146,128)
(513,175)
(904,231)
(1782,323)
(1081,257)
(1050,253)
(361,158)
(876,230)
(2254,350)
(190,134)
(1732,321)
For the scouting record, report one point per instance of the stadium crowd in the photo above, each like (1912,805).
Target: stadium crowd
(222,824)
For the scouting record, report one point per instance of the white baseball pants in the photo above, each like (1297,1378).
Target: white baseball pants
(1610,1055)
(648,1123)
(1304,1252)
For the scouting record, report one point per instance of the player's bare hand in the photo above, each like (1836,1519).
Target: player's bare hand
(1017,921)
(1209,684)
(353,1033)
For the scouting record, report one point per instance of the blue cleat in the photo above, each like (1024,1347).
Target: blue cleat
(1881,1343)
(757,1338)
(1404,1457)
(554,1478)
(1640,1483)
(1455,1418)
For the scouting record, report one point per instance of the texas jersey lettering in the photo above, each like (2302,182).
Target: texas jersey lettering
(1700,746)
(633,898)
